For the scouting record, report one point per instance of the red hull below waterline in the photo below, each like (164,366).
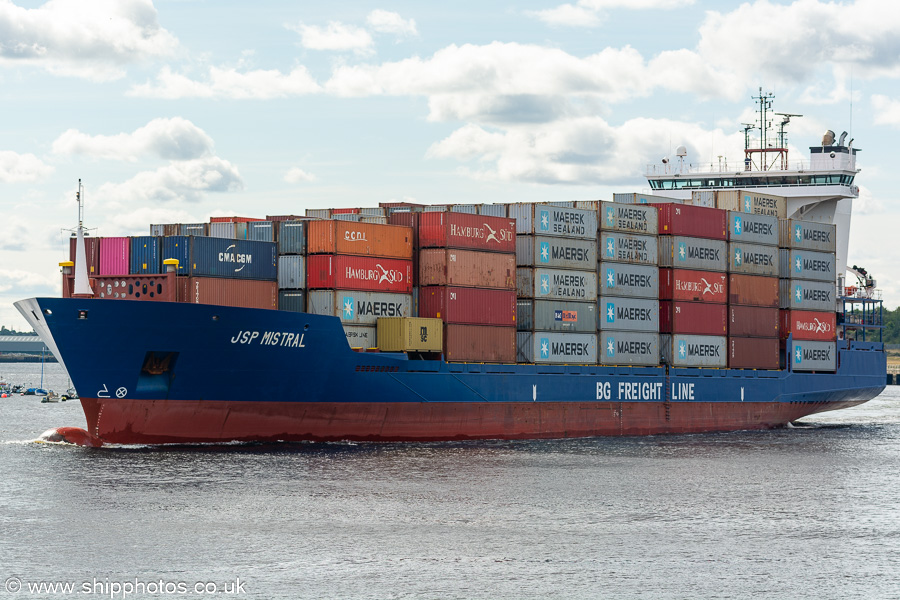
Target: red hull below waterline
(167,421)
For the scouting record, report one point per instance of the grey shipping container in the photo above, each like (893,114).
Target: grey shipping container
(319,213)
(292,237)
(353,217)
(556,315)
(628,314)
(160,230)
(492,210)
(556,252)
(588,204)
(813,356)
(262,231)
(229,231)
(373,211)
(694,350)
(194,229)
(373,219)
(435,208)
(292,272)
(629,248)
(753,259)
(799,294)
(556,347)
(703,198)
(629,218)
(361,336)
(806,235)
(630,281)
(546,219)
(471,209)
(556,284)
(806,264)
(632,198)
(682,252)
(755,229)
(356,307)
(292,300)
(629,348)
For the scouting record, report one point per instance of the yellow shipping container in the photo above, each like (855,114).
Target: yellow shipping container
(410,334)
(752,202)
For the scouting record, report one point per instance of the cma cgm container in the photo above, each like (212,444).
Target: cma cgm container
(813,356)
(292,237)
(146,252)
(806,264)
(115,256)
(693,286)
(292,300)
(753,290)
(292,272)
(753,353)
(752,202)
(556,315)
(629,281)
(629,218)
(752,321)
(339,271)
(358,239)
(806,235)
(799,294)
(358,308)
(479,343)
(629,348)
(629,248)
(694,350)
(556,252)
(692,221)
(361,336)
(469,268)
(472,306)
(217,257)
(91,254)
(752,229)
(555,347)
(545,219)
(628,314)
(809,325)
(556,284)
(462,230)
(753,259)
(692,253)
(693,318)
(222,291)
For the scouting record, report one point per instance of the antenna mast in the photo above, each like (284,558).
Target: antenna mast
(82,285)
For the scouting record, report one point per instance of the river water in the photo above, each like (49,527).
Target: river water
(807,512)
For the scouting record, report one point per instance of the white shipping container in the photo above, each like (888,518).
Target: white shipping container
(628,314)
(753,259)
(799,294)
(361,336)
(751,228)
(492,210)
(813,356)
(629,218)
(547,219)
(556,347)
(631,348)
(556,252)
(631,281)
(806,235)
(806,264)
(471,209)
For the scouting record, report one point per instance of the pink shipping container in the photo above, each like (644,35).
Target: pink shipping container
(808,325)
(91,253)
(479,343)
(693,286)
(692,221)
(367,273)
(753,290)
(469,268)
(115,255)
(472,306)
(753,353)
(752,321)
(464,230)
(245,293)
(693,318)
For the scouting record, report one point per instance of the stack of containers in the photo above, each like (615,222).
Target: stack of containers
(358,272)
(753,291)
(556,282)
(693,256)
(807,293)
(629,284)
(290,238)
(752,202)
(467,279)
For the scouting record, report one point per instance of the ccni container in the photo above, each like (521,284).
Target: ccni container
(753,290)
(628,348)
(629,218)
(753,321)
(479,343)
(358,239)
(753,259)
(809,325)
(556,284)
(628,314)
(556,252)
(546,219)
(752,229)
(629,248)
(753,353)
(693,318)
(472,306)
(806,235)
(683,252)
(471,268)
(809,265)
(630,281)
(556,315)
(694,350)
(813,356)
(354,307)
(799,294)
(555,347)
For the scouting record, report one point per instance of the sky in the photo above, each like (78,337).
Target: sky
(173,111)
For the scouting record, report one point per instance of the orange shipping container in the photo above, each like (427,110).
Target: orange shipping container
(753,290)
(467,268)
(359,239)
(479,343)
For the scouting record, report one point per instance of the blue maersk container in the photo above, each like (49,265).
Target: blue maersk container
(145,255)
(219,257)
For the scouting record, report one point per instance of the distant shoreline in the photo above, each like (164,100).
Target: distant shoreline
(27,359)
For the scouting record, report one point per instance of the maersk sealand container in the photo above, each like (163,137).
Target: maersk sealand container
(218,257)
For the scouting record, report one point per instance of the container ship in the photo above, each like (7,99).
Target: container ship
(713,304)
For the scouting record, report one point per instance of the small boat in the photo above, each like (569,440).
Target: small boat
(70,394)
(50,396)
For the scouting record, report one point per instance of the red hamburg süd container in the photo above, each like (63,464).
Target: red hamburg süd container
(753,290)
(752,321)
(330,271)
(91,253)
(115,255)
(693,286)
(692,221)
(469,268)
(472,306)
(244,293)
(693,318)
(464,230)
(479,343)
(753,353)
(411,220)
(809,325)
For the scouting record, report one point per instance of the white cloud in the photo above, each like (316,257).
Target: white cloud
(591,13)
(298,175)
(172,139)
(336,36)
(384,21)
(887,110)
(17,168)
(184,181)
(24,282)
(229,83)
(92,39)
